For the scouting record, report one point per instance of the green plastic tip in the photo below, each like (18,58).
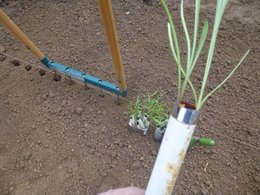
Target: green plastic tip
(212,143)
(207,141)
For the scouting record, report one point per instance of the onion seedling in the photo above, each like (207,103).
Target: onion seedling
(150,110)
(139,121)
(194,50)
(154,109)
(182,123)
(134,110)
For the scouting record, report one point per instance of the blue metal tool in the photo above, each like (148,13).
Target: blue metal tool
(84,77)
(106,10)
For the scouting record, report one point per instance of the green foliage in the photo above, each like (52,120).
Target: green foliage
(151,107)
(194,50)
(161,121)
(155,110)
(134,109)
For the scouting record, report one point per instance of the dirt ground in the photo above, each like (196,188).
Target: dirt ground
(58,138)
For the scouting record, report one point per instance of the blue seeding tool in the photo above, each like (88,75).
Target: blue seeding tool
(109,26)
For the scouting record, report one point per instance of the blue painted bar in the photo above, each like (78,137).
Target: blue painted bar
(84,77)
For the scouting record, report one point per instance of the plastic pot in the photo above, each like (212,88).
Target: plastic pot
(141,125)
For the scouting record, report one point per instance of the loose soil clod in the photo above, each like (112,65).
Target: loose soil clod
(28,67)
(15,62)
(118,102)
(3,3)
(2,58)
(79,110)
(56,77)
(147,2)
(42,72)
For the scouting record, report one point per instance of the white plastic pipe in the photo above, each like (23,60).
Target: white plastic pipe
(172,151)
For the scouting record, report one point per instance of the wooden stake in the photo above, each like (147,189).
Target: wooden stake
(110,29)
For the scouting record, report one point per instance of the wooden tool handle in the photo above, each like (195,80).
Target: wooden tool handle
(20,35)
(110,29)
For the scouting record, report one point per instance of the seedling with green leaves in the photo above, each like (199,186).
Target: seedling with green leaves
(155,110)
(150,110)
(139,121)
(134,110)
(141,112)
(194,48)
(161,121)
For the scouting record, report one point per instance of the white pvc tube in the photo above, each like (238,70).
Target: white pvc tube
(172,151)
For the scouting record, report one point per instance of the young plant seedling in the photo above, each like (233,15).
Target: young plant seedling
(154,109)
(139,121)
(142,113)
(195,45)
(134,110)
(158,114)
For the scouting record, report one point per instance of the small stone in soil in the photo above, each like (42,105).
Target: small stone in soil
(136,165)
(39,141)
(28,67)
(21,165)
(86,125)
(11,189)
(79,110)
(204,191)
(101,94)
(194,191)
(257,179)
(28,155)
(56,77)
(154,153)
(42,72)
(2,50)
(15,62)
(51,94)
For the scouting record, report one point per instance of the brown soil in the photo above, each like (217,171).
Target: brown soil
(58,138)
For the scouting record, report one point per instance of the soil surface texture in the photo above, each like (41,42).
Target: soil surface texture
(57,137)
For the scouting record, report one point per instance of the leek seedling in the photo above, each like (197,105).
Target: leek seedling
(153,107)
(149,109)
(134,110)
(194,50)
(138,117)
(156,110)
(161,122)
